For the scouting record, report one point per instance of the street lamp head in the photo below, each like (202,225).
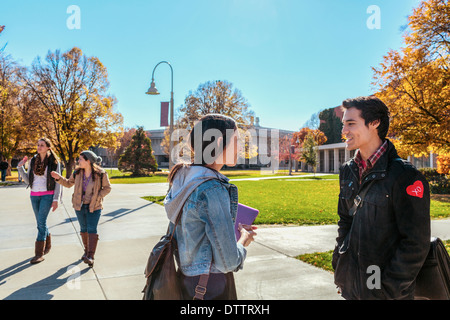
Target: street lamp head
(152,90)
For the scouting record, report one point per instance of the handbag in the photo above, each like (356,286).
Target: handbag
(163,281)
(433,279)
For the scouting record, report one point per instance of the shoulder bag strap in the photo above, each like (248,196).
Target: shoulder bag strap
(200,289)
(357,202)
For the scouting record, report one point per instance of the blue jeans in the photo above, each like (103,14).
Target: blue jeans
(41,207)
(88,220)
(3,174)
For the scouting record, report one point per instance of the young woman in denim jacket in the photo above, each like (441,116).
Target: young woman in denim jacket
(44,192)
(208,205)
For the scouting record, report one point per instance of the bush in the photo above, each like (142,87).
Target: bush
(439,183)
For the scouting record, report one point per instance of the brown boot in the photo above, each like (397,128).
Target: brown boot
(38,252)
(93,240)
(84,239)
(48,244)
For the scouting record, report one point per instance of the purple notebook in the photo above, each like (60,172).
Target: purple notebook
(245,215)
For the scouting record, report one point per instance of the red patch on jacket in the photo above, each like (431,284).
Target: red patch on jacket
(416,189)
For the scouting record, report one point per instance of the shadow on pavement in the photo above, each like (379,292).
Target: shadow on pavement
(119,213)
(41,289)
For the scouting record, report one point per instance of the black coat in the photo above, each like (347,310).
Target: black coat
(391,229)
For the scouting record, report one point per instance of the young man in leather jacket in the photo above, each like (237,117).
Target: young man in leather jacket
(382,245)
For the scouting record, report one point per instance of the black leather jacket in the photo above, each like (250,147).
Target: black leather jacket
(391,229)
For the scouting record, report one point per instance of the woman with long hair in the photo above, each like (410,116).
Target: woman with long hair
(91,186)
(44,192)
(207,202)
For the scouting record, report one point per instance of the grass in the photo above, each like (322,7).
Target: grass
(118,177)
(156,199)
(302,201)
(291,201)
(318,259)
(323,259)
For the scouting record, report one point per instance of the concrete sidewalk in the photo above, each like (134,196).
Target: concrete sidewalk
(129,228)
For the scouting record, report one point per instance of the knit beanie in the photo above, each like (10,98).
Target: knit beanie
(92,157)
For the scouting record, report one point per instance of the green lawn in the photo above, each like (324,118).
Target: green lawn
(302,201)
(118,177)
(291,201)
(323,259)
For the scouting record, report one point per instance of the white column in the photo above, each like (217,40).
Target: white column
(326,159)
(347,154)
(318,162)
(336,160)
(431,160)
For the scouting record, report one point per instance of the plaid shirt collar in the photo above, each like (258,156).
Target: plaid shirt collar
(365,166)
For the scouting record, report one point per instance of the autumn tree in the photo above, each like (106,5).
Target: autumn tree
(293,146)
(414,82)
(16,106)
(215,97)
(299,138)
(309,153)
(123,143)
(76,110)
(138,157)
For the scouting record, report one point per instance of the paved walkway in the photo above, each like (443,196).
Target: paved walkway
(129,227)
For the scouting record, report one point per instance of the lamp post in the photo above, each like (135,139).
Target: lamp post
(153,91)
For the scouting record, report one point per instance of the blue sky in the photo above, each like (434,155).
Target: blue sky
(289,58)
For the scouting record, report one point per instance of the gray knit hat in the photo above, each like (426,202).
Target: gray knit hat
(92,157)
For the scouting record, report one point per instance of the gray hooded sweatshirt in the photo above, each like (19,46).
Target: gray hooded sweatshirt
(186,180)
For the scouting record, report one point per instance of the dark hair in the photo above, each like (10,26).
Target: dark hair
(95,168)
(53,157)
(218,122)
(372,109)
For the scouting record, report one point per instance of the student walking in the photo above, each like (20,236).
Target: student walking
(91,186)
(208,251)
(44,192)
(3,168)
(384,209)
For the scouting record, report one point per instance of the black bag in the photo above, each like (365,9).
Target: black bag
(433,280)
(163,282)
(162,279)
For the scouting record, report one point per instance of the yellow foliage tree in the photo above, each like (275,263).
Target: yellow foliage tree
(415,82)
(76,110)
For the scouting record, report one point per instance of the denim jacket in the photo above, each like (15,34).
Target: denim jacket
(205,232)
